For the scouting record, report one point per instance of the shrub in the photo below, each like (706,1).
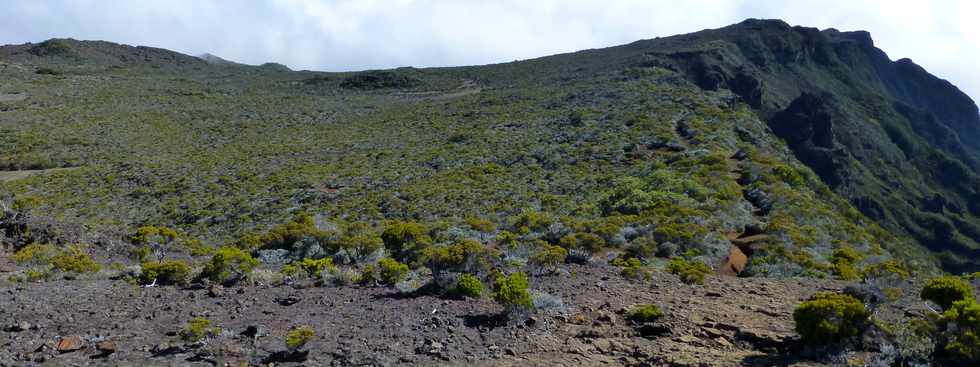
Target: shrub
(406,241)
(229,264)
(467,256)
(197,329)
(480,224)
(74,259)
(788,175)
(885,269)
(47,71)
(35,254)
(631,268)
(532,221)
(842,263)
(285,235)
(392,271)
(960,338)
(828,318)
(549,256)
(690,271)
(299,336)
(468,286)
(314,267)
(166,272)
(149,235)
(360,241)
(644,314)
(511,292)
(945,291)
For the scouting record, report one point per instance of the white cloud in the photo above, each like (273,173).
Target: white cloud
(360,34)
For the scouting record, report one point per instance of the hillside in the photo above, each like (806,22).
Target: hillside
(754,150)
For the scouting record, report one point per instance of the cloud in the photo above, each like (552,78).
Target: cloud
(361,34)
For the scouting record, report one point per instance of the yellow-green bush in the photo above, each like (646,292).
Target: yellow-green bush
(467,255)
(468,286)
(690,271)
(644,314)
(480,224)
(75,259)
(961,334)
(548,255)
(945,291)
(285,235)
(198,329)
(152,234)
(229,264)
(314,267)
(512,293)
(406,241)
(391,271)
(828,318)
(166,272)
(532,221)
(35,254)
(299,336)
(631,268)
(890,268)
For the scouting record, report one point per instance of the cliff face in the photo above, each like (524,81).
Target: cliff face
(901,144)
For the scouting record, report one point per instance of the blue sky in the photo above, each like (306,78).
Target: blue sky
(362,34)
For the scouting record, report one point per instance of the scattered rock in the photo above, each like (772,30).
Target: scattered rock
(18,327)
(288,300)
(764,340)
(650,330)
(70,344)
(215,291)
(105,348)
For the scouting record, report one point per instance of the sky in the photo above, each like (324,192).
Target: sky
(343,35)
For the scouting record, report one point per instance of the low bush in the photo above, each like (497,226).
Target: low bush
(468,286)
(299,336)
(406,241)
(842,263)
(829,318)
(392,271)
(960,335)
(466,256)
(34,254)
(945,291)
(74,259)
(314,267)
(512,293)
(644,314)
(198,329)
(548,256)
(229,265)
(690,271)
(165,272)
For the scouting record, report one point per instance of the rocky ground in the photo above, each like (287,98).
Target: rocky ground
(726,322)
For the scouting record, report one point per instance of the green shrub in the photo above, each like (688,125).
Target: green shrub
(166,272)
(885,269)
(466,256)
(149,235)
(283,236)
(229,264)
(644,314)
(480,224)
(828,318)
(788,175)
(198,329)
(314,267)
(299,336)
(406,241)
(74,259)
(532,221)
(549,256)
(690,271)
(945,291)
(511,292)
(468,286)
(34,254)
(631,268)
(842,263)
(360,241)
(391,271)
(960,334)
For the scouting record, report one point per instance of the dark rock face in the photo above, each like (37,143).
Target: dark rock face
(901,144)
